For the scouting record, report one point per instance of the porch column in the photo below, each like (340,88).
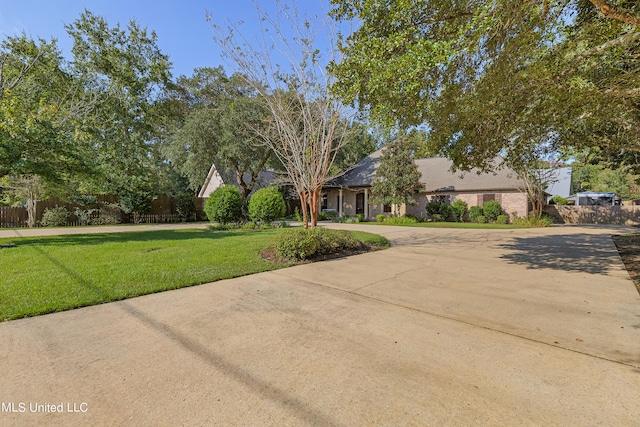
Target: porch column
(366,203)
(340,203)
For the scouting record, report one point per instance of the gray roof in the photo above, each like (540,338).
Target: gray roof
(437,176)
(560,182)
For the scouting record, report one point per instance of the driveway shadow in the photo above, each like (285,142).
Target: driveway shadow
(586,253)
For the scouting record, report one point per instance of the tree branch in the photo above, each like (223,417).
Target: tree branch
(626,38)
(613,13)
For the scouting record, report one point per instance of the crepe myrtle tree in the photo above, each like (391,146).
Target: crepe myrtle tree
(308,126)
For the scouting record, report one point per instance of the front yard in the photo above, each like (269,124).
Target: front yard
(47,274)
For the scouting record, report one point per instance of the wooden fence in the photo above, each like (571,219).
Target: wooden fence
(620,215)
(162,211)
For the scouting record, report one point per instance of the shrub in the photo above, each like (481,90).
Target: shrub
(392,220)
(491,210)
(533,221)
(502,219)
(86,200)
(438,211)
(459,208)
(84,215)
(474,213)
(380,217)
(322,216)
(481,219)
(299,244)
(330,214)
(224,205)
(136,203)
(109,213)
(359,217)
(559,200)
(185,208)
(266,205)
(55,217)
(417,218)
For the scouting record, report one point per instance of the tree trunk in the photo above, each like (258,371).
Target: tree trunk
(313,207)
(31,210)
(303,205)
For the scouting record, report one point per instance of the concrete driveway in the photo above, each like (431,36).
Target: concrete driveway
(448,327)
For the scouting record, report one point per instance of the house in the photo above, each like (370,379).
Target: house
(215,179)
(558,182)
(348,193)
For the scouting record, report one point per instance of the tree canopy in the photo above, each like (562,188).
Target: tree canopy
(397,177)
(222,117)
(498,77)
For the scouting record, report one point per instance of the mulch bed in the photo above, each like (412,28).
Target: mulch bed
(270,255)
(629,250)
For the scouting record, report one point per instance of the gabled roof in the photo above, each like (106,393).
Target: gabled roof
(215,179)
(437,176)
(361,174)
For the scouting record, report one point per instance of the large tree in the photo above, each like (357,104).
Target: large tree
(129,74)
(289,72)
(220,118)
(397,178)
(40,103)
(497,77)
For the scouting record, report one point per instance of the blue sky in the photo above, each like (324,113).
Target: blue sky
(182,30)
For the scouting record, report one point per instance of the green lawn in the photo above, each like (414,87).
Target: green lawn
(48,274)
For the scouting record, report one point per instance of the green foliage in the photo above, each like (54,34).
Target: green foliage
(224,205)
(84,215)
(127,74)
(502,219)
(481,219)
(346,219)
(55,217)
(359,144)
(40,124)
(493,78)
(109,213)
(560,201)
(185,207)
(300,244)
(327,215)
(397,178)
(474,213)
(602,177)
(533,221)
(438,211)
(460,209)
(491,210)
(380,217)
(267,205)
(220,118)
(136,203)
(403,220)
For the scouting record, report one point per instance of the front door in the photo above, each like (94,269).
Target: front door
(360,203)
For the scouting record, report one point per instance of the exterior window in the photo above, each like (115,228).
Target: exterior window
(386,208)
(487,197)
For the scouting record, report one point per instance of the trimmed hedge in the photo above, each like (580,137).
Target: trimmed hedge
(224,205)
(267,205)
(300,243)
